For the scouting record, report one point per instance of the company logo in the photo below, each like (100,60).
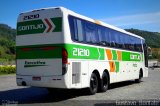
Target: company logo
(30,27)
(47,25)
(34,63)
(135,57)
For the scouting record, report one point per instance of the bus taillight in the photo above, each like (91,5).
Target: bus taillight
(64,56)
(64,61)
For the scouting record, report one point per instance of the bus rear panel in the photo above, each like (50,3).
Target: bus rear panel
(40,51)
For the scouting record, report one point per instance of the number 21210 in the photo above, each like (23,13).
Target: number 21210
(80,52)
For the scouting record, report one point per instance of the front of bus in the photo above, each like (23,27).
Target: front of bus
(39,49)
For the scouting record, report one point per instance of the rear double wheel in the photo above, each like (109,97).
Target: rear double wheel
(93,84)
(104,82)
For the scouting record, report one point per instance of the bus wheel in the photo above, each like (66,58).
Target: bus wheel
(52,90)
(93,84)
(140,77)
(104,82)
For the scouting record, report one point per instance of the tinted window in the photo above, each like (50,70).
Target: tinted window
(107,35)
(77,29)
(121,41)
(88,32)
(91,33)
(101,34)
(132,42)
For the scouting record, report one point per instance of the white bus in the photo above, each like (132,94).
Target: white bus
(58,48)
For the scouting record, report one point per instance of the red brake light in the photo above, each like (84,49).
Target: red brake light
(64,56)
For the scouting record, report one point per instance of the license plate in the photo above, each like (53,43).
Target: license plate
(36,78)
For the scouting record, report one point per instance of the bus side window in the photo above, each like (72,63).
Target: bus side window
(137,45)
(113,44)
(80,31)
(132,42)
(73,28)
(76,29)
(107,37)
(126,42)
(101,35)
(91,33)
(112,40)
(118,39)
(122,45)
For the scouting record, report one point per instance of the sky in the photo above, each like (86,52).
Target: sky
(125,14)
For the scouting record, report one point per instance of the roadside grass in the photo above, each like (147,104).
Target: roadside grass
(7,70)
(4,74)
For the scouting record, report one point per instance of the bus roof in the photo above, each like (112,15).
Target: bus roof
(70,12)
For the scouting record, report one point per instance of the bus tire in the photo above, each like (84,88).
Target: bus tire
(104,82)
(140,77)
(93,84)
(52,90)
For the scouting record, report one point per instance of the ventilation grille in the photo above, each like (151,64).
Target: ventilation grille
(76,72)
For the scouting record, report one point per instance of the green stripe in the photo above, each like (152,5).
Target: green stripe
(94,53)
(58,24)
(129,56)
(37,53)
(102,52)
(114,55)
(117,66)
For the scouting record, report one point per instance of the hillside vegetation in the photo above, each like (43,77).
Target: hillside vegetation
(152,38)
(7,42)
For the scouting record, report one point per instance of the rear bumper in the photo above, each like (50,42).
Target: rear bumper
(46,81)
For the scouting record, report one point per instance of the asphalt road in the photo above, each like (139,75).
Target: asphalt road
(125,93)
